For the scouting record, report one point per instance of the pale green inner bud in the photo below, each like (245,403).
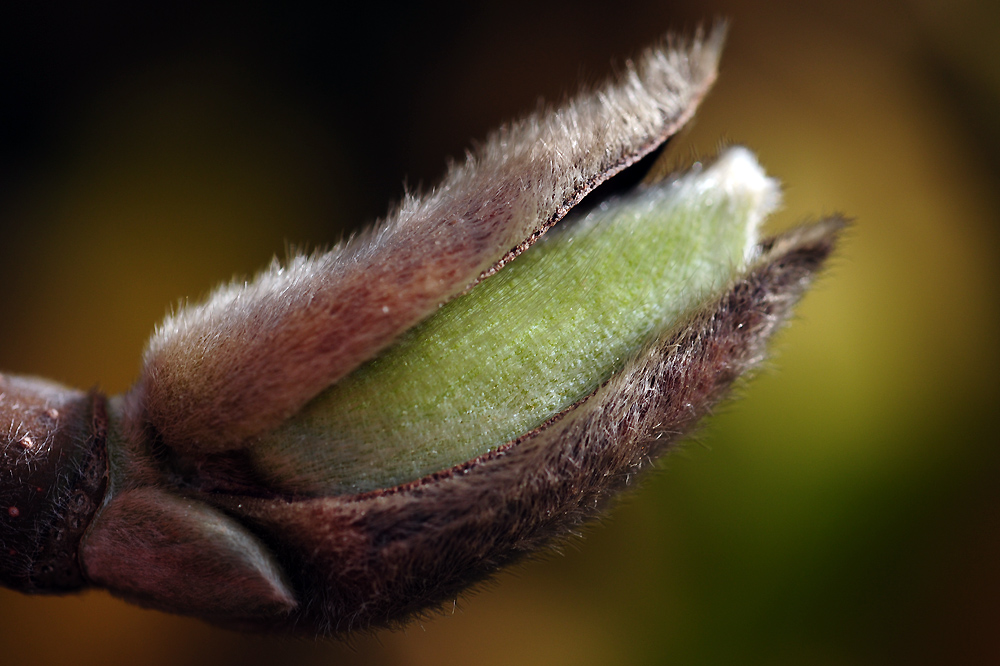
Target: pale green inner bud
(530,341)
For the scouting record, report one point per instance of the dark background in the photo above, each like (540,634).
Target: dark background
(844,510)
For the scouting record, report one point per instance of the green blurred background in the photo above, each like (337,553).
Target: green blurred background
(845,509)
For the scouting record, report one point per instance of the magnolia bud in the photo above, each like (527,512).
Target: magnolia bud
(361,434)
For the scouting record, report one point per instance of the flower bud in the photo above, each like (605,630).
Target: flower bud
(359,435)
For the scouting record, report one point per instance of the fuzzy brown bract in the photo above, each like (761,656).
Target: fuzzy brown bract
(299,328)
(152,495)
(385,555)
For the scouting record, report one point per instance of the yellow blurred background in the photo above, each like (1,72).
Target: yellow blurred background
(845,509)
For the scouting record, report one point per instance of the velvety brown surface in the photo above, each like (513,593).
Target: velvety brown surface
(53,471)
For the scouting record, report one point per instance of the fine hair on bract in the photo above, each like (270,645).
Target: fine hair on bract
(300,327)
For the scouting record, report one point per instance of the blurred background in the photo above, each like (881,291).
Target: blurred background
(845,509)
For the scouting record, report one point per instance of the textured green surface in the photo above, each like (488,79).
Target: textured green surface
(528,342)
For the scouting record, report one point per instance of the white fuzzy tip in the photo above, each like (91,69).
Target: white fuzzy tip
(738,173)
